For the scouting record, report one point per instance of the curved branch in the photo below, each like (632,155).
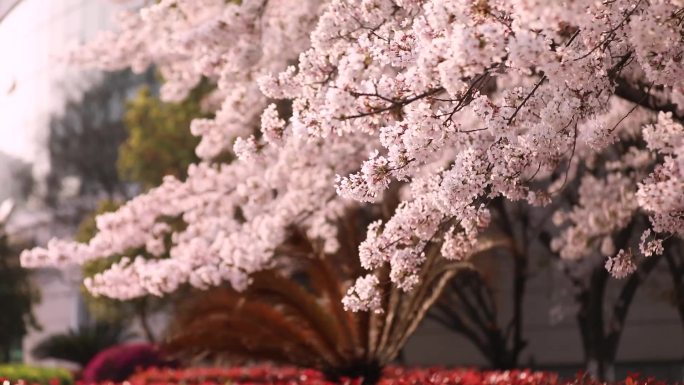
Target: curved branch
(643,96)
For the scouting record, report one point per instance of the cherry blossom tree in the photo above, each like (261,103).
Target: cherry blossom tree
(598,215)
(454,102)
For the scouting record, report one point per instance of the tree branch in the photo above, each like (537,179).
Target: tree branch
(639,94)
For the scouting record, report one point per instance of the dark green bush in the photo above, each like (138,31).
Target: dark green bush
(81,345)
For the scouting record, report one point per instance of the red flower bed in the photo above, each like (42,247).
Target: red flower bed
(220,376)
(401,376)
(267,375)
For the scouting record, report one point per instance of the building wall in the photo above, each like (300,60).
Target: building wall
(35,82)
(653,338)
(59,310)
(33,76)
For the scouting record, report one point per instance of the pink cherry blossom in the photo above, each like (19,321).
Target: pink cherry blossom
(454,102)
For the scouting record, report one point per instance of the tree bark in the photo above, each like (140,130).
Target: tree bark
(621,307)
(590,320)
(675,264)
(475,314)
(601,346)
(143,317)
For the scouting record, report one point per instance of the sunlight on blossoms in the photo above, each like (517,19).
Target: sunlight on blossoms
(416,138)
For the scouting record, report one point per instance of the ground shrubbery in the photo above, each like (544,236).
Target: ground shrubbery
(35,375)
(294,376)
(119,362)
(267,375)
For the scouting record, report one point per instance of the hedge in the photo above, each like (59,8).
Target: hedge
(35,375)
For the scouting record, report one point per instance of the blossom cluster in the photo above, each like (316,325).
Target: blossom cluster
(457,102)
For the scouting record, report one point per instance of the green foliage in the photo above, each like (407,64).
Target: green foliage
(81,345)
(87,228)
(36,375)
(159,142)
(17,297)
(101,308)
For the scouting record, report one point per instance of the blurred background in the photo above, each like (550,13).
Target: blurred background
(72,143)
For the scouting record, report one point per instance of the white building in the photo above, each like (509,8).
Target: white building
(34,84)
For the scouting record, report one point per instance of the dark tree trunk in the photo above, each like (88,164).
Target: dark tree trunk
(519,286)
(468,305)
(590,320)
(600,341)
(675,263)
(143,317)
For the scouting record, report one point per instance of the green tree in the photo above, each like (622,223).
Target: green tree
(17,297)
(159,142)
